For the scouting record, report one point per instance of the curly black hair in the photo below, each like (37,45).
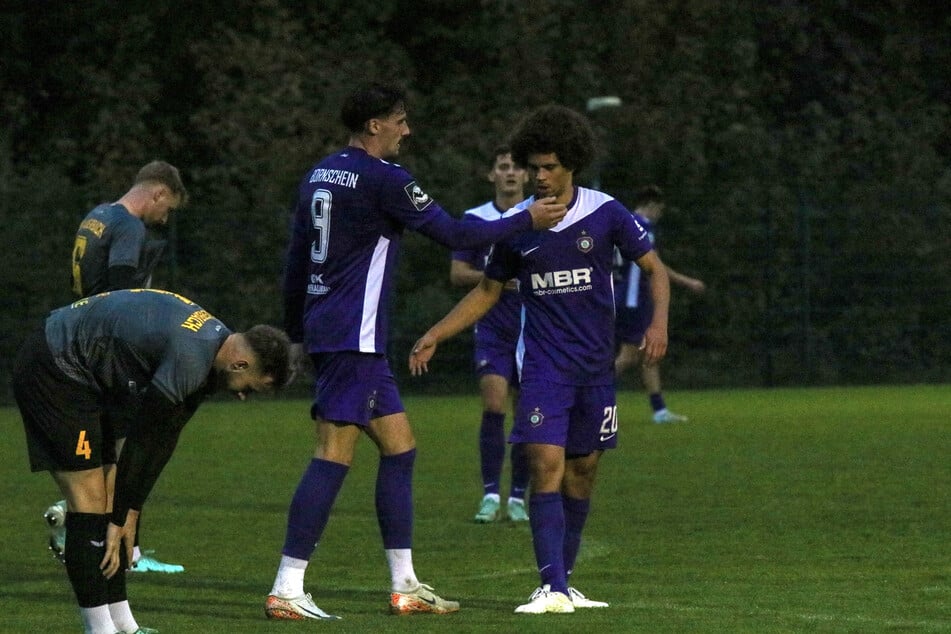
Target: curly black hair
(558,130)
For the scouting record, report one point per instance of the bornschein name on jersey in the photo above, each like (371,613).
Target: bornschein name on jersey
(558,282)
(344,178)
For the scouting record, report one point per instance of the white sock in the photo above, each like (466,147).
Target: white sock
(122,616)
(97,620)
(516,500)
(136,555)
(402,575)
(289,582)
(492,496)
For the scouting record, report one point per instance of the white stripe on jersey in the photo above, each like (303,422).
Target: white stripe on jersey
(520,344)
(633,283)
(487,211)
(586,203)
(371,296)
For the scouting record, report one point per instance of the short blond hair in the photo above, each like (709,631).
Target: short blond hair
(165,174)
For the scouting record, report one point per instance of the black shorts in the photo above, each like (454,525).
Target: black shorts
(63,419)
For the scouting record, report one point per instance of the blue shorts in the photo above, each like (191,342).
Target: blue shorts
(496,357)
(353,387)
(580,418)
(631,324)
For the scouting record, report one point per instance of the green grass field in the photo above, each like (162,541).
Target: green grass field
(807,510)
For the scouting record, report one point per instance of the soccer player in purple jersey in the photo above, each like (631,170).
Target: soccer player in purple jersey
(496,335)
(352,209)
(566,415)
(635,308)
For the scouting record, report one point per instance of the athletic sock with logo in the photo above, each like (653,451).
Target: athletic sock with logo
(491,450)
(520,471)
(576,514)
(546,516)
(85,548)
(310,507)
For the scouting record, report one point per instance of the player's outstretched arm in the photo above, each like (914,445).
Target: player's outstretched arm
(692,284)
(468,311)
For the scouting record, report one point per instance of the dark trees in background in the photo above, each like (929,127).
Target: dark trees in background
(805,148)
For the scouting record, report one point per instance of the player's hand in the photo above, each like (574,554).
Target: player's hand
(299,362)
(654,345)
(423,351)
(696,287)
(118,537)
(546,213)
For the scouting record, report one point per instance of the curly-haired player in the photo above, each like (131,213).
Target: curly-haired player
(566,416)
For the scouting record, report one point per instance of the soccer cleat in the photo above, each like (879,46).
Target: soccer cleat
(667,416)
(422,599)
(297,609)
(543,600)
(143,630)
(488,511)
(580,601)
(516,510)
(55,517)
(145,563)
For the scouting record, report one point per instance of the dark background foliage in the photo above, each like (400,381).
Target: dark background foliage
(804,147)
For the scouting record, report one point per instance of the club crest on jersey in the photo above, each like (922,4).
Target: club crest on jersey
(417,196)
(585,242)
(536,418)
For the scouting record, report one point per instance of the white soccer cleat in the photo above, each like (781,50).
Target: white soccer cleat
(422,599)
(580,601)
(296,609)
(543,601)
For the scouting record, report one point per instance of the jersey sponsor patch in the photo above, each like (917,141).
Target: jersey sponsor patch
(417,196)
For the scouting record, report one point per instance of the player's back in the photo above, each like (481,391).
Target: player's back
(347,229)
(116,342)
(108,236)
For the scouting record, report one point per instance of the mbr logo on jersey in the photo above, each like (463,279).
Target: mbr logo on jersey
(417,196)
(561,282)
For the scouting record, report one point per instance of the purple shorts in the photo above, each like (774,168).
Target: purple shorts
(632,323)
(353,387)
(580,418)
(496,357)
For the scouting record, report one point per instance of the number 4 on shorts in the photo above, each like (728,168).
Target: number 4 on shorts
(82,445)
